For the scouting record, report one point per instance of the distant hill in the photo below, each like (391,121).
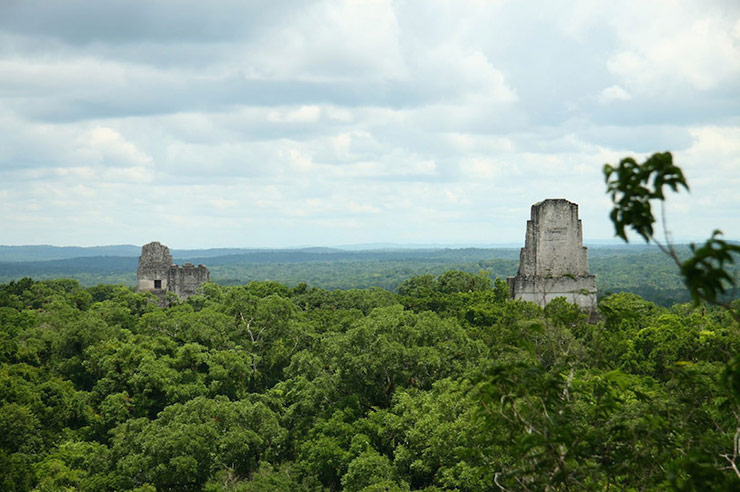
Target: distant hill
(45,253)
(259,255)
(69,266)
(636,268)
(329,255)
(52,256)
(129,263)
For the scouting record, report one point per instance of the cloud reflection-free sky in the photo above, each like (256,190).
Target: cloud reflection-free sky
(273,124)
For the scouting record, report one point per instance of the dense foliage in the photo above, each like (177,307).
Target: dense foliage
(642,270)
(445,385)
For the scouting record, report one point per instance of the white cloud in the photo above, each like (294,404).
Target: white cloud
(684,44)
(462,74)
(331,40)
(714,161)
(303,114)
(363,209)
(102,145)
(345,121)
(481,168)
(614,93)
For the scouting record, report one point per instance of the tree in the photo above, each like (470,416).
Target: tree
(632,187)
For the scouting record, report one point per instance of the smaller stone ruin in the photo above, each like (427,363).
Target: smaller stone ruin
(554,262)
(157,273)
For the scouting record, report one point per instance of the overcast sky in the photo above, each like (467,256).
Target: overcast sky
(283,123)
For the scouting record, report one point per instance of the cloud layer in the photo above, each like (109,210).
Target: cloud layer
(323,122)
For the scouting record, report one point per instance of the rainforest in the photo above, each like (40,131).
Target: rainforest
(443,384)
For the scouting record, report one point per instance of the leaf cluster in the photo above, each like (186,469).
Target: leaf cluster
(631,186)
(706,271)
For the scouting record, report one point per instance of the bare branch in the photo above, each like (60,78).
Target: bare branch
(495,480)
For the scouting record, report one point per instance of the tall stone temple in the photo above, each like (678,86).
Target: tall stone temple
(554,262)
(159,275)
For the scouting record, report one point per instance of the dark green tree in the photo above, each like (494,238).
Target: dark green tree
(633,189)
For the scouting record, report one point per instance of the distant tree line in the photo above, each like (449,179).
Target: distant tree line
(641,270)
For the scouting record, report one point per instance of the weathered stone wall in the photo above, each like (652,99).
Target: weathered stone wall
(554,242)
(580,291)
(184,280)
(554,262)
(154,264)
(157,273)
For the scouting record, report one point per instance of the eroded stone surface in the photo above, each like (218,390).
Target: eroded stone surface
(554,262)
(157,273)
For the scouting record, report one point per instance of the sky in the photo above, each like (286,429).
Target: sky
(297,122)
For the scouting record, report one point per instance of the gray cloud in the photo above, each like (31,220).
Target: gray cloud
(283,123)
(84,22)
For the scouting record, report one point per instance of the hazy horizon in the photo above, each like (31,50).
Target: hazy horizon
(360,246)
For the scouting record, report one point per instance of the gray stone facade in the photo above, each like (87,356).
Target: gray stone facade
(157,273)
(554,262)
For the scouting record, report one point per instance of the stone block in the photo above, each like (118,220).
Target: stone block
(157,273)
(554,262)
